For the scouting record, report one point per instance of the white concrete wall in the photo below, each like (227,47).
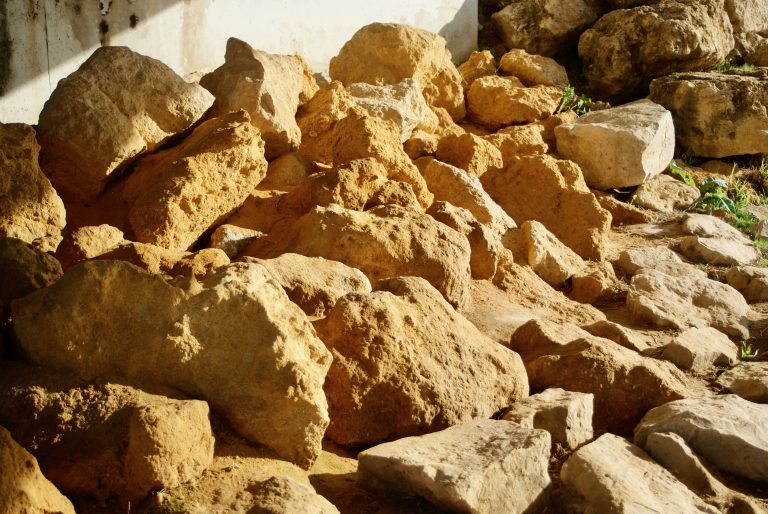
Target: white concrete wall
(49,39)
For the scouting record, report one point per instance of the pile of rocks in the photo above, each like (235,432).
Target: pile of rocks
(391,261)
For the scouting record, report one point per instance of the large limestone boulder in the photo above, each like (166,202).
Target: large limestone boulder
(270,87)
(105,439)
(529,186)
(726,430)
(619,147)
(233,339)
(23,487)
(495,102)
(481,466)
(628,48)
(716,114)
(545,27)
(117,106)
(387,53)
(24,269)
(30,209)
(613,476)
(386,241)
(178,194)
(406,363)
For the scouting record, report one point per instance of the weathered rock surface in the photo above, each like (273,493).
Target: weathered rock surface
(705,225)
(698,349)
(87,242)
(479,64)
(613,476)
(105,439)
(566,415)
(386,53)
(30,209)
(234,339)
(529,186)
(681,302)
(117,106)
(313,283)
(469,152)
(749,19)
(533,70)
(406,363)
(154,259)
(287,172)
(545,27)
(547,256)
(178,194)
(621,335)
(495,102)
(626,49)
(475,467)
(200,263)
(386,241)
(663,193)
(726,430)
(232,239)
(750,281)
(719,250)
(23,487)
(517,140)
(24,269)
(270,87)
(717,115)
(621,146)
(748,380)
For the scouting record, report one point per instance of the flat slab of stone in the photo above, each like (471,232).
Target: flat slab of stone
(699,349)
(483,466)
(748,380)
(663,193)
(718,251)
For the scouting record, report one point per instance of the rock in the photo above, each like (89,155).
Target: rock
(462,189)
(533,70)
(717,115)
(495,102)
(612,476)
(270,87)
(200,263)
(402,103)
(23,487)
(626,49)
(154,259)
(634,260)
(681,302)
(619,147)
(24,269)
(596,283)
(527,188)
(567,416)
(619,334)
(204,338)
(386,241)
(699,349)
(105,439)
(458,468)
(479,64)
(406,363)
(749,18)
(393,192)
(117,106)
(545,27)
(386,53)
(276,495)
(313,283)
(232,239)
(537,337)
(547,256)
(622,213)
(726,430)
(748,380)
(663,193)
(758,53)
(624,383)
(519,140)
(287,172)
(719,250)
(177,194)
(30,209)
(421,144)
(705,225)
(87,242)
(750,281)
(469,152)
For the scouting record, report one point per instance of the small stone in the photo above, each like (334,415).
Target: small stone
(478,65)
(495,102)
(619,334)
(663,193)
(24,269)
(718,251)
(469,152)
(232,239)
(86,243)
(748,380)
(533,70)
(547,256)
(698,349)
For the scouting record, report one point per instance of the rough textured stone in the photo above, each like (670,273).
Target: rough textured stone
(105,439)
(622,213)
(178,194)
(750,281)
(545,27)
(276,495)
(537,337)
(717,115)
(567,416)
(479,64)
(547,256)
(469,152)
(313,283)
(613,476)
(529,186)
(24,269)
(23,487)
(619,147)
(386,241)
(619,334)
(86,243)
(626,49)
(287,172)
(475,467)
(681,302)
(517,140)
(748,380)
(726,430)
(30,209)
(719,250)
(117,106)
(495,102)
(705,225)
(634,260)
(597,282)
(533,70)
(270,87)
(234,339)
(749,19)
(232,239)
(665,194)
(200,263)
(698,349)
(154,259)
(386,53)
(406,363)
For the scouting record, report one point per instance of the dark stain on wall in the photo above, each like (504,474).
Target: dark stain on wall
(6,48)
(133,20)
(104,32)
